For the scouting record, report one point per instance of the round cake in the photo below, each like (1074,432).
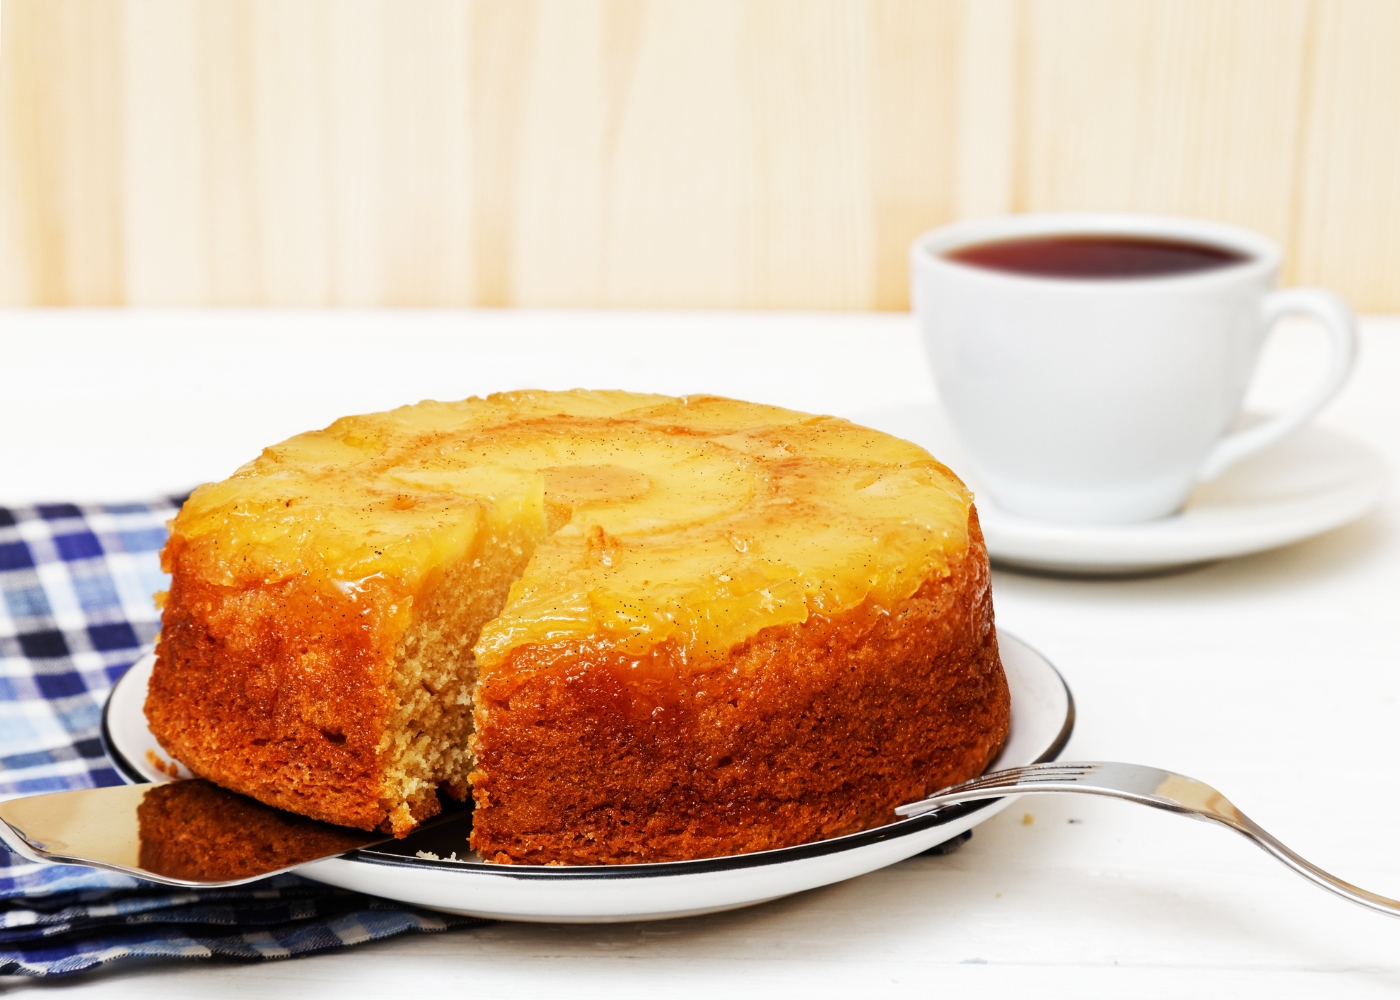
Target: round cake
(631,628)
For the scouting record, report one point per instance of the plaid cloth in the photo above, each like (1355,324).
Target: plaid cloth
(76,583)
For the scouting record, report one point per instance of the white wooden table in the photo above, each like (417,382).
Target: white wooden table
(1275,677)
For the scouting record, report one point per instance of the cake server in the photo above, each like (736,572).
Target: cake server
(1148,786)
(185,833)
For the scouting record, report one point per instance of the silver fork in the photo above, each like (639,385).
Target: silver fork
(1149,786)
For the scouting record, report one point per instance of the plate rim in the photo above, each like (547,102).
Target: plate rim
(644,870)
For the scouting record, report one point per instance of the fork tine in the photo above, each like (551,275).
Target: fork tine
(1009,779)
(1045,769)
(1036,772)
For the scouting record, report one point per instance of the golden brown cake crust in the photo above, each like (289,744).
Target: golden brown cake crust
(805,732)
(277,691)
(195,830)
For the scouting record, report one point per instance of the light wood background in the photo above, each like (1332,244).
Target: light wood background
(712,153)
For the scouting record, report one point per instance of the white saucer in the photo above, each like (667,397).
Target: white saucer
(1042,717)
(1309,483)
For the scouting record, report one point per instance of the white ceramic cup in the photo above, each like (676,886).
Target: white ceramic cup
(1105,400)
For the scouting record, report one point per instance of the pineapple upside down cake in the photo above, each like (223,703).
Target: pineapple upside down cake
(631,628)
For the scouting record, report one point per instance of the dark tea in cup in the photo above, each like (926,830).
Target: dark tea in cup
(1089,256)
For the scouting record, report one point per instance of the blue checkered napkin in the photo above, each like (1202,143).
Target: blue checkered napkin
(76,583)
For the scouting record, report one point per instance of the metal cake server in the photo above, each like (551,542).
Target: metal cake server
(185,833)
(1148,786)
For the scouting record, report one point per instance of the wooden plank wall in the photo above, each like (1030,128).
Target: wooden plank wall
(692,153)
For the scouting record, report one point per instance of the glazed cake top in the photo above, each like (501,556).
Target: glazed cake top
(699,520)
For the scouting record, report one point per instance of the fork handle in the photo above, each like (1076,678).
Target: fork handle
(1282,852)
(1147,786)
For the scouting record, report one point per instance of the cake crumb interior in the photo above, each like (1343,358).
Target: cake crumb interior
(426,745)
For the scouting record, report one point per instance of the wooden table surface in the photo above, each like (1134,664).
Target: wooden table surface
(1273,676)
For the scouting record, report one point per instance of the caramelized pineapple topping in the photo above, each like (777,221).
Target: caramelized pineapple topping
(639,519)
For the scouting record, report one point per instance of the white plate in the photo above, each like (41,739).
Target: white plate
(1042,716)
(1309,483)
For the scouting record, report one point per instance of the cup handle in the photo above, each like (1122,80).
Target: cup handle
(1337,318)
